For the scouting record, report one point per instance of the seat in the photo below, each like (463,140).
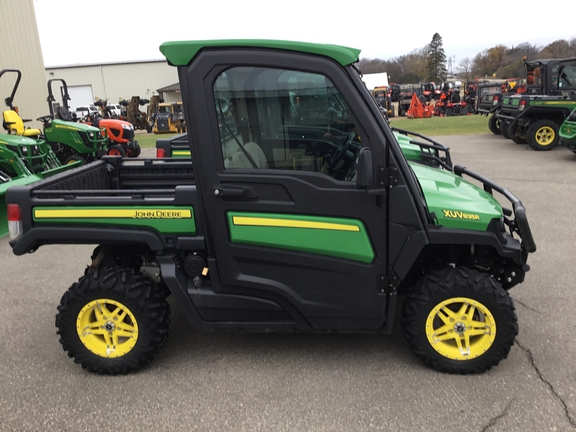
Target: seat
(14,125)
(64,114)
(234,157)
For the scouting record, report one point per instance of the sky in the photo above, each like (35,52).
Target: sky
(79,32)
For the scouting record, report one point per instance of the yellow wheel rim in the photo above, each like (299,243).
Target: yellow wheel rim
(545,136)
(107,328)
(460,328)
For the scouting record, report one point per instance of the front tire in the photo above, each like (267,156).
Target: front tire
(74,158)
(116,150)
(112,322)
(543,135)
(460,321)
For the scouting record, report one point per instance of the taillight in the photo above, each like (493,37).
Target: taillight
(14,221)
(522,105)
(495,100)
(160,153)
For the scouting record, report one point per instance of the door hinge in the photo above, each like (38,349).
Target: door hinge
(387,284)
(387,176)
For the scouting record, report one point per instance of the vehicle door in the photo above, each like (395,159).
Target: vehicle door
(275,157)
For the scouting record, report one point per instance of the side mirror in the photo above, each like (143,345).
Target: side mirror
(364,176)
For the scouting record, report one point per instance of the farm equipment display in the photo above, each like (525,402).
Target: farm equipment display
(69,140)
(535,115)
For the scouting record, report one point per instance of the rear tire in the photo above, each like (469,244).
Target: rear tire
(543,135)
(459,321)
(135,150)
(504,125)
(112,322)
(516,133)
(494,125)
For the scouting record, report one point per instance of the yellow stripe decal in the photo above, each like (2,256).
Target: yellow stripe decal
(289,223)
(181,152)
(66,127)
(112,213)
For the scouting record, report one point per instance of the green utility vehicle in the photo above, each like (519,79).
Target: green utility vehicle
(535,117)
(257,231)
(568,132)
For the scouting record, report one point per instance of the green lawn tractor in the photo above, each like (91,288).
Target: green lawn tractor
(23,161)
(70,141)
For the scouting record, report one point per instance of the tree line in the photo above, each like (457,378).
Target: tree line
(429,63)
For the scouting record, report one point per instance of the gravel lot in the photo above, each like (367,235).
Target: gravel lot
(286,382)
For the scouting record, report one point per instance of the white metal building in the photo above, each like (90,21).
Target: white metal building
(116,81)
(21,50)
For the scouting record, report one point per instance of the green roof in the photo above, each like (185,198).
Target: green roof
(180,53)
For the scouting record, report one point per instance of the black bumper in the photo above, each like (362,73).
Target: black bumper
(519,225)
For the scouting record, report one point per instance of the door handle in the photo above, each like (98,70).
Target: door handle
(235,192)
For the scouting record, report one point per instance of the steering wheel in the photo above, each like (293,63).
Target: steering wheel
(342,149)
(45,119)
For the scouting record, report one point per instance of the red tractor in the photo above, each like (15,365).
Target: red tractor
(120,135)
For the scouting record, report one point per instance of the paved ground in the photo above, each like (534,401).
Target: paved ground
(247,382)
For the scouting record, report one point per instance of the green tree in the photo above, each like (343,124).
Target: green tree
(495,58)
(436,60)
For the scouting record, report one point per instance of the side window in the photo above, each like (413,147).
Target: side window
(285,120)
(567,77)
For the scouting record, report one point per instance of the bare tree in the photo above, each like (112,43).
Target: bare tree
(465,68)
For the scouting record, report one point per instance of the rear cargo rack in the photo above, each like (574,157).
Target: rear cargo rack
(519,224)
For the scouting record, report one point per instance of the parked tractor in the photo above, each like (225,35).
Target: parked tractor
(169,118)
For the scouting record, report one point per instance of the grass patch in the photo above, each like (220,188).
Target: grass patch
(433,126)
(459,125)
(148,140)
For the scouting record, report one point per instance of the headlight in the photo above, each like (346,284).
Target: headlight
(127,126)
